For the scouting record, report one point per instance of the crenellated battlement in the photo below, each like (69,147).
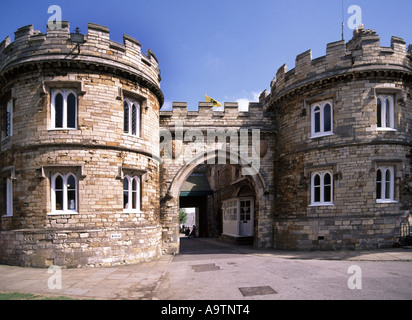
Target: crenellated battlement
(208,116)
(363,53)
(93,50)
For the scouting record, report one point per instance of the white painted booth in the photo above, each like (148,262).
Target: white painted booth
(238,217)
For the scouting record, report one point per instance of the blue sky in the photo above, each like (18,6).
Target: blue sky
(229,49)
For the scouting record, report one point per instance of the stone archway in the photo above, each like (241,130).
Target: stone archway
(170,202)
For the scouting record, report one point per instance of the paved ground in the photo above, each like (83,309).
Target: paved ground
(124,282)
(216,271)
(210,270)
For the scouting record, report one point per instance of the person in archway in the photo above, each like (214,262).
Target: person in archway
(193,233)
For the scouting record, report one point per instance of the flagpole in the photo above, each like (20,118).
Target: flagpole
(343,22)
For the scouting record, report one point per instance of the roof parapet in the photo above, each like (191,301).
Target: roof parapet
(25,31)
(96,34)
(95,49)
(362,50)
(98,31)
(398,44)
(97,43)
(206,110)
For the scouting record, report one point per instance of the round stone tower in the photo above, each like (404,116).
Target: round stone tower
(79,149)
(344,146)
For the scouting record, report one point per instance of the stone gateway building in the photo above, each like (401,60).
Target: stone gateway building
(92,173)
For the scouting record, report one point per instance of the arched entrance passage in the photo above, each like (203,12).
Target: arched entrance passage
(196,196)
(170,202)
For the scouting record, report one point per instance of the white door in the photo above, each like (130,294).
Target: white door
(246,218)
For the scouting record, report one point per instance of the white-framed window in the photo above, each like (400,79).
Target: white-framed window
(131,193)
(64,188)
(9,119)
(322,119)
(131,117)
(63,109)
(7,200)
(230,210)
(385,112)
(385,185)
(322,188)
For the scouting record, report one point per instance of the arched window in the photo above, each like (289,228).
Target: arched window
(385,112)
(71,192)
(322,119)
(125,117)
(327,116)
(379,113)
(131,117)
(58,109)
(134,119)
(64,193)
(9,119)
(317,188)
(71,110)
(7,201)
(327,188)
(379,184)
(64,109)
(317,119)
(385,185)
(322,188)
(126,192)
(131,193)
(59,192)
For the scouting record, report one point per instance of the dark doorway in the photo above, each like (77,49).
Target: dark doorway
(196,193)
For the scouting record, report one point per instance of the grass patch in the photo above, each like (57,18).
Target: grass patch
(29,296)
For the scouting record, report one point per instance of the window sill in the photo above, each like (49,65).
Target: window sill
(385,201)
(386,129)
(132,211)
(321,135)
(322,205)
(63,129)
(7,216)
(132,135)
(62,213)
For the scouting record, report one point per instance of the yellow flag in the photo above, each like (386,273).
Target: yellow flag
(215,103)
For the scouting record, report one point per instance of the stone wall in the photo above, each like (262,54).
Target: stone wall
(80,247)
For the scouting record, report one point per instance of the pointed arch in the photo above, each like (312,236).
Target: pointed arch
(190,166)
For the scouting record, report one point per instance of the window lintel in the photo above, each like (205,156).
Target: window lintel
(131,95)
(386,163)
(385,91)
(330,167)
(8,95)
(129,171)
(330,96)
(63,84)
(8,172)
(44,171)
